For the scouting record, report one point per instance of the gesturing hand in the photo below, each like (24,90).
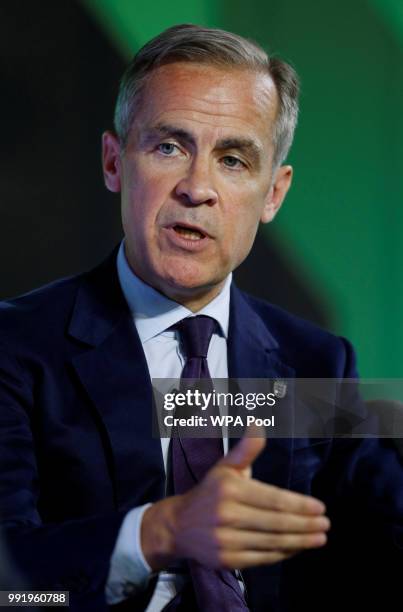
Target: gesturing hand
(230,520)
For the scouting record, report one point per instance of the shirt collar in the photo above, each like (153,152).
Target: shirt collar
(154,313)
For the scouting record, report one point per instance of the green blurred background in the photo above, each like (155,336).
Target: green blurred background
(336,243)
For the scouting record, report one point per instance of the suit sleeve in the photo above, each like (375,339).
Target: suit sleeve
(73,555)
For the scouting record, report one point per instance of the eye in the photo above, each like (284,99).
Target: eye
(167,148)
(232,162)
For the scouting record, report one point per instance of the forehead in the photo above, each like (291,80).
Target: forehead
(207,96)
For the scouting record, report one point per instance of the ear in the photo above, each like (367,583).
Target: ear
(278,191)
(111,161)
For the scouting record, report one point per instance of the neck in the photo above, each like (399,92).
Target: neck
(194,298)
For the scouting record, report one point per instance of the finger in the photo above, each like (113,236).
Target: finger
(261,495)
(244,453)
(235,539)
(240,516)
(241,560)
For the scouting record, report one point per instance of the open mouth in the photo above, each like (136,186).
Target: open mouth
(189,233)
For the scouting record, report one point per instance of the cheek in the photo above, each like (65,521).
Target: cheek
(245,220)
(140,206)
(245,238)
(240,230)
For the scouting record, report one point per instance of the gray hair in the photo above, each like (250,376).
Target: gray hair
(191,43)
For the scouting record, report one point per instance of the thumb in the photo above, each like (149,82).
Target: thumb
(244,453)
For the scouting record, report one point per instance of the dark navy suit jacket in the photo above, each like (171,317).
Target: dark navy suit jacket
(76,450)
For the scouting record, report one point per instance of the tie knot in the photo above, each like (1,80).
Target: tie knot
(195,334)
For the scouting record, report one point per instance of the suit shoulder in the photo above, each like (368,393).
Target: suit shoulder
(39,308)
(283,321)
(303,342)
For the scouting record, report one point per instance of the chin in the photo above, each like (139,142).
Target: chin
(187,285)
(189,275)
(190,283)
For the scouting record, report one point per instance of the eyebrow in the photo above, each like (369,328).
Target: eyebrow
(245,145)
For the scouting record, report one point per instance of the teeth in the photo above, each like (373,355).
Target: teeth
(188,233)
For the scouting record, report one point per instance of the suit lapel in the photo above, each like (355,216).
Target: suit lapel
(253,352)
(115,375)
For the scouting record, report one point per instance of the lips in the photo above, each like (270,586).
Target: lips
(187,237)
(190,232)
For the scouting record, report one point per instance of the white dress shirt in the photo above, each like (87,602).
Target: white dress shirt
(153,315)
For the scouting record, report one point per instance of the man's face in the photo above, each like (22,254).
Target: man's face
(195,176)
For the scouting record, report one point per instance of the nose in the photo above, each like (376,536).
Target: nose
(196,186)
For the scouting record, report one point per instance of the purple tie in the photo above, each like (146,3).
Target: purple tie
(216,590)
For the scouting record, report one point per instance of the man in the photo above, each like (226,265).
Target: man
(204,120)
